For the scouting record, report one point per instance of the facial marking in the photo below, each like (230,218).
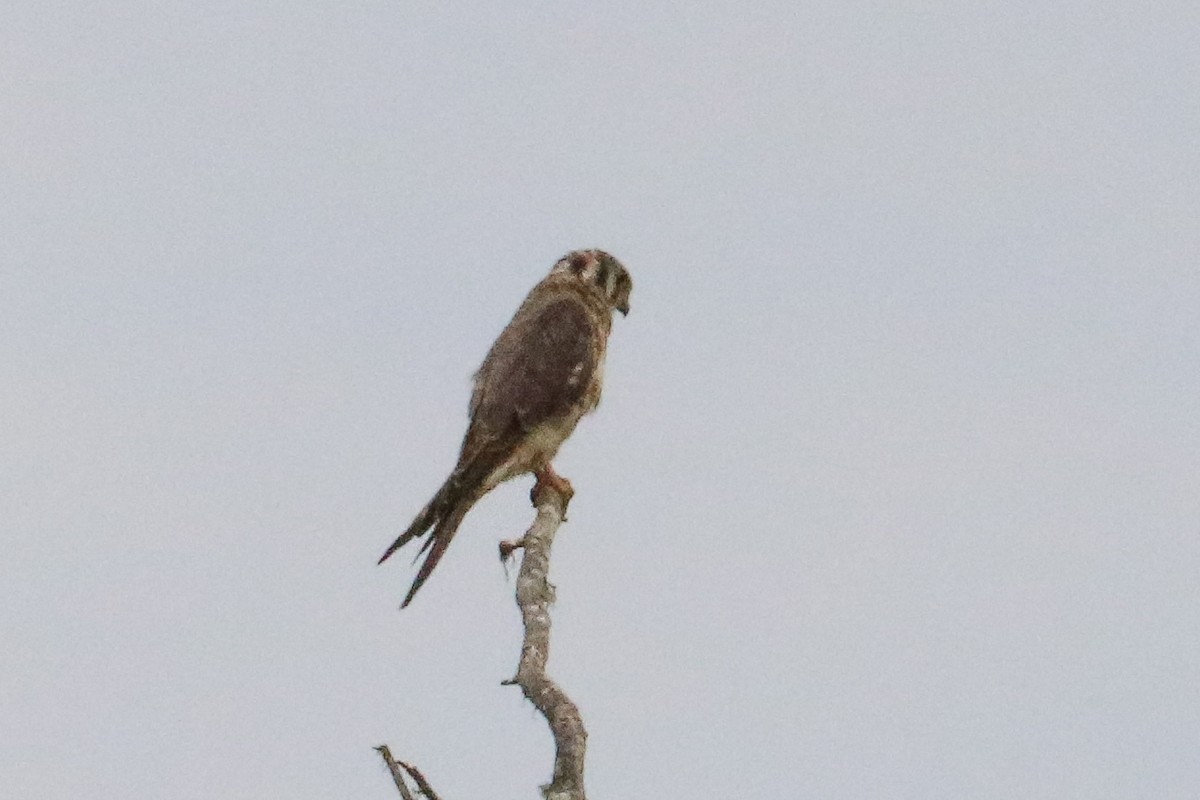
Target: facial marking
(611,277)
(579,262)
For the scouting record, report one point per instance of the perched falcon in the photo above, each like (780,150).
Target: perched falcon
(542,374)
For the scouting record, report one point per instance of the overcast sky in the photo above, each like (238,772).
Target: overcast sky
(894,491)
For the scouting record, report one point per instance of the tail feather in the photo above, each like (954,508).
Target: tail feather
(444,513)
(433,511)
(438,541)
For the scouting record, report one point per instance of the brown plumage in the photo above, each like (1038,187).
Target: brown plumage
(542,374)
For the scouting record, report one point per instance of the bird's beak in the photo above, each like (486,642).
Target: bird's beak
(624,309)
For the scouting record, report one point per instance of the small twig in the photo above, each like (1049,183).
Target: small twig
(507,548)
(418,778)
(534,596)
(394,768)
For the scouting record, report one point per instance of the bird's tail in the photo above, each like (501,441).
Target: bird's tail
(444,513)
(433,511)
(438,541)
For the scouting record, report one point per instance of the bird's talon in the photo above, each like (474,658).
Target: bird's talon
(549,480)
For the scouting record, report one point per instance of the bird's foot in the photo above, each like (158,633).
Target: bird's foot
(550,481)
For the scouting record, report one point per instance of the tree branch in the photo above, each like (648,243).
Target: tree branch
(394,768)
(535,593)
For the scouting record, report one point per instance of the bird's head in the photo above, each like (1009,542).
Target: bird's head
(603,274)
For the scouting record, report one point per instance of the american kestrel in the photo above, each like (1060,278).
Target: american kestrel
(542,374)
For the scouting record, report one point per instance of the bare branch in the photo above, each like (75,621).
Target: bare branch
(394,768)
(534,596)
(418,778)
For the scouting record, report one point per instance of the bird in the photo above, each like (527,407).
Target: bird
(542,374)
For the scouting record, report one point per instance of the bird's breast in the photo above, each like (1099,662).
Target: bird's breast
(536,449)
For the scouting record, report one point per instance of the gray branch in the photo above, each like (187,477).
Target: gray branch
(534,596)
(397,769)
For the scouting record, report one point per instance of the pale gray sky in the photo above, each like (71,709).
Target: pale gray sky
(894,492)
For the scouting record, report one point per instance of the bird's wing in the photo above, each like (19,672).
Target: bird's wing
(539,369)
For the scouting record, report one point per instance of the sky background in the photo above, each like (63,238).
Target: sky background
(894,491)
